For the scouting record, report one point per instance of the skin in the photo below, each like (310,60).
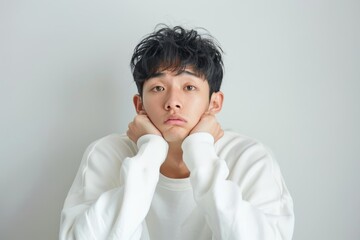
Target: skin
(174,105)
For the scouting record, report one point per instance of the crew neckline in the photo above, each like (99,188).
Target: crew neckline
(174,184)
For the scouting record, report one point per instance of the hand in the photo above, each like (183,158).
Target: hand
(209,124)
(141,125)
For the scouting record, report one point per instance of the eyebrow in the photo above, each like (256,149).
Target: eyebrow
(186,72)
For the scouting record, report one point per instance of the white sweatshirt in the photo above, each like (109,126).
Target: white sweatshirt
(235,191)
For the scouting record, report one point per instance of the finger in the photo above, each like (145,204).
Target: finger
(129,134)
(207,113)
(142,112)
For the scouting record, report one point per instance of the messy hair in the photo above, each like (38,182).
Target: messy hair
(175,49)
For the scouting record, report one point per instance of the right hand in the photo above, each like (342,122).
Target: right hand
(141,125)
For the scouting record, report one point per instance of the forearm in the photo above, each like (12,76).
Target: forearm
(228,214)
(119,212)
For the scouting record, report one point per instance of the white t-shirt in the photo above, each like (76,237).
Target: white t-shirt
(235,191)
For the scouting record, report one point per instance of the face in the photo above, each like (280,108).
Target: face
(175,102)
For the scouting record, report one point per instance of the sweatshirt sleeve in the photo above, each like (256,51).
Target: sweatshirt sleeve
(112,194)
(253,205)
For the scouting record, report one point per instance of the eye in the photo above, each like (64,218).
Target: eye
(158,89)
(190,88)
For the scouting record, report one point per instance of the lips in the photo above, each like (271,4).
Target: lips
(175,120)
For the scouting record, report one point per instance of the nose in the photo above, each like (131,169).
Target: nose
(173,101)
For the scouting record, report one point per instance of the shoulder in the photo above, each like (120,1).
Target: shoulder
(108,152)
(241,150)
(112,145)
(103,158)
(238,143)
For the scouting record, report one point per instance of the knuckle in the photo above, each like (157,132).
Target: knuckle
(137,120)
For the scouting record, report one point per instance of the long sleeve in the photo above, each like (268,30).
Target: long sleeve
(250,202)
(113,190)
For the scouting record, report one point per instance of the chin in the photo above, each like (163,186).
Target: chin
(175,135)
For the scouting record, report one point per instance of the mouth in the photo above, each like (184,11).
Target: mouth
(175,120)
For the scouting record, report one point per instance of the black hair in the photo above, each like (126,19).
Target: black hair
(175,49)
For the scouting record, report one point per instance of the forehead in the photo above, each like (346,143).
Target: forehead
(187,72)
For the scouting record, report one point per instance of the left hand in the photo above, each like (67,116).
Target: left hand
(209,124)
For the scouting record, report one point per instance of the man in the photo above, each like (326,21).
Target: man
(176,174)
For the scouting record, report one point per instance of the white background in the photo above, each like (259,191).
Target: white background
(291,81)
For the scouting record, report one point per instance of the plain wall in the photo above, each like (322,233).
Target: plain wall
(292,81)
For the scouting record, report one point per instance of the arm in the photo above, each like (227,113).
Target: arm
(253,205)
(112,192)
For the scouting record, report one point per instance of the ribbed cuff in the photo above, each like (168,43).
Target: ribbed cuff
(198,150)
(153,148)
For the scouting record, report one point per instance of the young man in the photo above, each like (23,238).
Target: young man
(176,174)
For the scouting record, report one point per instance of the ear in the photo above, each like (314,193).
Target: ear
(138,104)
(216,102)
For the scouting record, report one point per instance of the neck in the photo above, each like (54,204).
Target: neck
(174,166)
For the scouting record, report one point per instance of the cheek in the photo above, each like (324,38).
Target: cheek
(149,104)
(153,112)
(199,104)
(197,108)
